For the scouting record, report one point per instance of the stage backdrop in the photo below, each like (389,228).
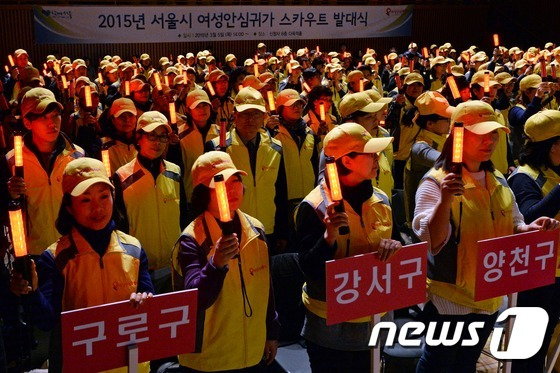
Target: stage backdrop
(110,25)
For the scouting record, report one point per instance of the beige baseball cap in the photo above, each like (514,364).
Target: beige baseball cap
(122,105)
(151,120)
(530,81)
(477,116)
(360,101)
(249,98)
(543,125)
(352,137)
(211,164)
(36,100)
(82,173)
(288,97)
(432,102)
(196,97)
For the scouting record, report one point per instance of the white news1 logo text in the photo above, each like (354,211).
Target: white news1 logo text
(525,340)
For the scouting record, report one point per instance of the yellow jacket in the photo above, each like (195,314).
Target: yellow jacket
(44,194)
(230,338)
(152,208)
(481,213)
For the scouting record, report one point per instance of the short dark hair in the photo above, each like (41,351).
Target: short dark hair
(536,154)
(341,168)
(316,93)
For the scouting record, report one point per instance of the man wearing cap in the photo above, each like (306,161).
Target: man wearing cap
(260,156)
(342,347)
(502,157)
(157,184)
(505,94)
(293,79)
(532,92)
(453,227)
(336,83)
(121,136)
(200,67)
(387,70)
(46,152)
(261,50)
(12,86)
(195,129)
(113,82)
(299,145)
(222,103)
(404,133)
(146,65)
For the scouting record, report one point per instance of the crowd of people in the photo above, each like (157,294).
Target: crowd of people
(121,170)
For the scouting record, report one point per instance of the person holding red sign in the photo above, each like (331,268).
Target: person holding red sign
(92,263)
(238,327)
(536,186)
(457,205)
(342,347)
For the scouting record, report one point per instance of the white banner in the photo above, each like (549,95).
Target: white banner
(108,25)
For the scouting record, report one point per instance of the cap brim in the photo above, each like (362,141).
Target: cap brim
(84,185)
(118,113)
(373,107)
(39,109)
(377,144)
(227,173)
(195,104)
(506,81)
(483,128)
(244,107)
(150,127)
(293,101)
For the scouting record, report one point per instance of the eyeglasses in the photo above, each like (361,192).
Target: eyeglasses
(161,138)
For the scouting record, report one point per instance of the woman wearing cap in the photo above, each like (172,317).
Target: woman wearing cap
(83,125)
(121,138)
(432,115)
(194,131)
(535,184)
(404,133)
(502,158)
(342,347)
(361,109)
(438,69)
(92,263)
(453,212)
(222,102)
(158,184)
(318,96)
(231,272)
(532,91)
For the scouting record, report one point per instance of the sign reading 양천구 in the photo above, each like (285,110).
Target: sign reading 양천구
(108,25)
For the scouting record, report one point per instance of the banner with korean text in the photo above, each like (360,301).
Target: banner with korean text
(515,263)
(108,25)
(97,338)
(363,285)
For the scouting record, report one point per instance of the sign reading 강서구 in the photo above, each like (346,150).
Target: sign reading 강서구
(105,24)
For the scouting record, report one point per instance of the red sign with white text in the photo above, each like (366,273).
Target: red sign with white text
(515,263)
(363,285)
(96,338)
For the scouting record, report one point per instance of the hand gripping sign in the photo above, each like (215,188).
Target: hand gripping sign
(99,337)
(363,285)
(510,264)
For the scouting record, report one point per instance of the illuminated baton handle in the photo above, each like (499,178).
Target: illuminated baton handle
(223,205)
(487,84)
(336,193)
(22,263)
(457,158)
(18,150)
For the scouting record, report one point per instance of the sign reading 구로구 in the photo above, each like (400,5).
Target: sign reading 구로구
(98,337)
